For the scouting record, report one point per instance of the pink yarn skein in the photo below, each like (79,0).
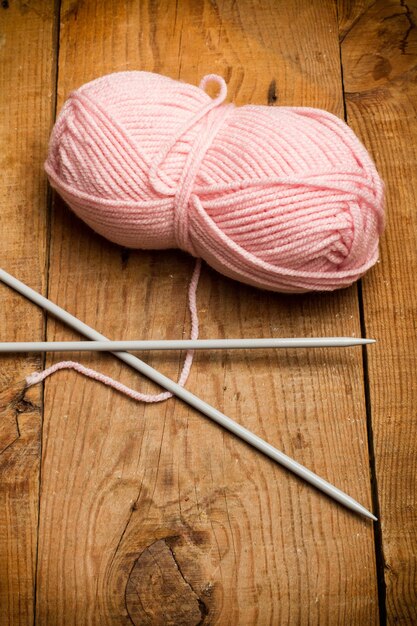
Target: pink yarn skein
(283,198)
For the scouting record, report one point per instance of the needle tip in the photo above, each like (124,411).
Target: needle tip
(362,510)
(361,341)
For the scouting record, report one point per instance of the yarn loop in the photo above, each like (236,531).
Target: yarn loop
(182,192)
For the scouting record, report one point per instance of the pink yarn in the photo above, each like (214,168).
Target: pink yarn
(283,198)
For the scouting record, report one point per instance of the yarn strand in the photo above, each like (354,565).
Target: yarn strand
(38,377)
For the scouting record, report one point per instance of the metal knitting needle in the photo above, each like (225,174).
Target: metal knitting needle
(190,399)
(180,344)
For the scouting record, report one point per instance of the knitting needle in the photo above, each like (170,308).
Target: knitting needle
(191,399)
(180,344)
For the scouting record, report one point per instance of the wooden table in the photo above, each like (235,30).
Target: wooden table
(114,512)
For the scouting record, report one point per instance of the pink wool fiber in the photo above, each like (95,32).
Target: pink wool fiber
(283,198)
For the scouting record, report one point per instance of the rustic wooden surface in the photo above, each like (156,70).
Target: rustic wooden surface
(379,53)
(151,514)
(27,87)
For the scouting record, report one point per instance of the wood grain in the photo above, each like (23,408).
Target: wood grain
(27,64)
(151,514)
(379,53)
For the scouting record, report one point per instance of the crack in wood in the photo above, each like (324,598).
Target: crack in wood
(18,404)
(201,604)
(124,256)
(272,92)
(159,592)
(411,26)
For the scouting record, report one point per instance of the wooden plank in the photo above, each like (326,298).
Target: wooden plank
(379,53)
(151,513)
(26,92)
